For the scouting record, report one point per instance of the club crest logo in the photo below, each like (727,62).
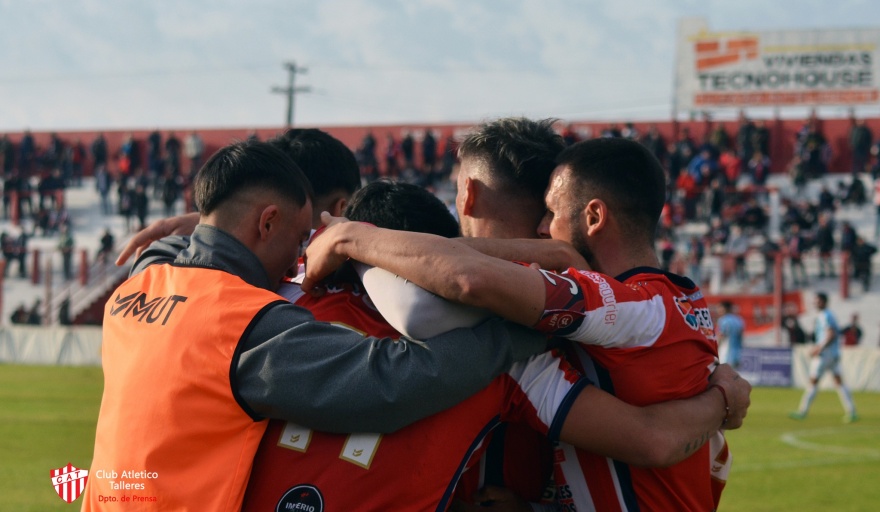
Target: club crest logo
(69,481)
(302,497)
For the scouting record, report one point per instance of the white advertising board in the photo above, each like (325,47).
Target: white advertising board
(775,69)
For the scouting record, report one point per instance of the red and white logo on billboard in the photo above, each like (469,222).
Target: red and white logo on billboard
(69,481)
(712,53)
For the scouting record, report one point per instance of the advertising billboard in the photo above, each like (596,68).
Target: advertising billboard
(775,69)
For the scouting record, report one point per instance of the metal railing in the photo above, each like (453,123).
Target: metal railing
(101,276)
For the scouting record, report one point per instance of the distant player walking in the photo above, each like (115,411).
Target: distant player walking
(730,328)
(826,357)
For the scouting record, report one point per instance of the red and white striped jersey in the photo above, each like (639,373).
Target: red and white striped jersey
(645,337)
(415,468)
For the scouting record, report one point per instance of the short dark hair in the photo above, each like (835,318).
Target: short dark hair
(822,296)
(401,206)
(622,173)
(520,152)
(328,164)
(249,164)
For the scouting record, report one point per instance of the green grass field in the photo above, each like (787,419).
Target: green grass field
(48,414)
(47,419)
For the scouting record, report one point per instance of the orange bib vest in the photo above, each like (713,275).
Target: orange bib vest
(172,433)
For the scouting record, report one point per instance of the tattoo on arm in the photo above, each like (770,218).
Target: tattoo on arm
(695,444)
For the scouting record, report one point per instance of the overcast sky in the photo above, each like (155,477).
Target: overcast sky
(81,64)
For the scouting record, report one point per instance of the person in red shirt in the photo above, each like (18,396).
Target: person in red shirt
(731,166)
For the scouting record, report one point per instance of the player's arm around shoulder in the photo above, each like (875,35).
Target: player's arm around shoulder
(180,225)
(443,266)
(657,435)
(332,378)
(164,250)
(546,253)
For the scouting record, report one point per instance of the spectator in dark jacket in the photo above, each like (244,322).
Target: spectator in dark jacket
(847,237)
(824,239)
(826,200)
(860,138)
(99,151)
(861,259)
(106,249)
(796,245)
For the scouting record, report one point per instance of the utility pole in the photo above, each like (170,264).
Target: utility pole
(291,89)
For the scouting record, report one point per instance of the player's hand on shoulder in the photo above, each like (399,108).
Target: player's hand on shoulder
(180,225)
(329,220)
(322,256)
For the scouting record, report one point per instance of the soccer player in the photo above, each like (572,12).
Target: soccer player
(326,162)
(826,358)
(296,466)
(730,328)
(505,169)
(650,331)
(198,352)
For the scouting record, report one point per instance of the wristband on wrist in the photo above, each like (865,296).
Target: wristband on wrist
(726,403)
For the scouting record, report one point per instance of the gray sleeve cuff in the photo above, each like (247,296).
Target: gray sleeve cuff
(331,378)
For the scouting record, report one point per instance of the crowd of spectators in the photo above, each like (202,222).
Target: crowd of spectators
(163,173)
(720,183)
(716,179)
(127,177)
(417,158)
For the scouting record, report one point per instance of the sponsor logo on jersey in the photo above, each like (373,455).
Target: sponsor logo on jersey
(301,498)
(137,305)
(687,312)
(698,319)
(69,481)
(607,294)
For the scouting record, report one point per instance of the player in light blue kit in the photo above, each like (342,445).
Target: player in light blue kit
(826,356)
(730,327)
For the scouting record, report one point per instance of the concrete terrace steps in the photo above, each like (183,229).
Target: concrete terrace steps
(88,225)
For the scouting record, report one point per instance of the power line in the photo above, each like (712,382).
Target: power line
(141,73)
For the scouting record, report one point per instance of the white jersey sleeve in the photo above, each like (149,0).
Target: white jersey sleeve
(412,310)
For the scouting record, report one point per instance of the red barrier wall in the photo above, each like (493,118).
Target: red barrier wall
(782,138)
